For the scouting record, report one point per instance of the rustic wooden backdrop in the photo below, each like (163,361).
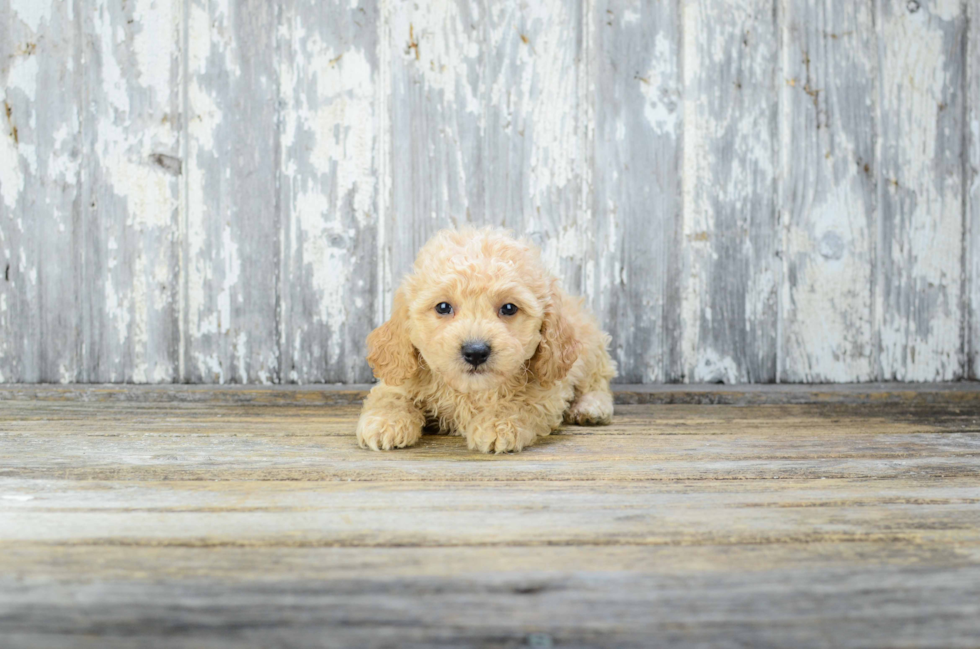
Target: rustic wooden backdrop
(745,190)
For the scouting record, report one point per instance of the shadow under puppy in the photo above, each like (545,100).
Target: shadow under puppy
(483,341)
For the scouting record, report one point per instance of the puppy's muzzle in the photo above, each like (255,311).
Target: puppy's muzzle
(475,353)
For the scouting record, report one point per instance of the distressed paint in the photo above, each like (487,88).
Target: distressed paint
(486,126)
(637,182)
(828,190)
(535,142)
(329,188)
(41,226)
(131,188)
(437,54)
(231,231)
(229,190)
(920,190)
(972,192)
(730,273)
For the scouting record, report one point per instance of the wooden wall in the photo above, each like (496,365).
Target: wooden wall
(745,190)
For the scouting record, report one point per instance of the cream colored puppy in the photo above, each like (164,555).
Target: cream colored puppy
(483,342)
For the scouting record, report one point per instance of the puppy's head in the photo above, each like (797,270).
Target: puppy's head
(479,311)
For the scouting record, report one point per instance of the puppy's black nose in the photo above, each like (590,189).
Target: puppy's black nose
(476,354)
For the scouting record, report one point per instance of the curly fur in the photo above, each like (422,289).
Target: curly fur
(548,363)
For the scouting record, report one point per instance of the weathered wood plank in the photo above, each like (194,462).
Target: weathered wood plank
(231,230)
(437,54)
(130,197)
(840,606)
(436,513)
(52,421)
(874,394)
(920,190)
(684,443)
(636,181)
(329,188)
(686,524)
(729,269)
(828,190)
(486,127)
(536,123)
(972,190)
(41,227)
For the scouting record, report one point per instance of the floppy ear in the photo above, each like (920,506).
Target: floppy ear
(390,352)
(558,348)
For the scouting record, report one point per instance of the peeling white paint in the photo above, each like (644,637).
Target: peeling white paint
(659,88)
(914,87)
(32,12)
(158,25)
(505,99)
(11,177)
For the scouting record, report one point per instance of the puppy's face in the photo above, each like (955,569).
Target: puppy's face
(477,324)
(476,309)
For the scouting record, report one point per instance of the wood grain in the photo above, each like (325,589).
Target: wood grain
(729,265)
(828,191)
(131,192)
(231,229)
(223,523)
(329,189)
(41,216)
(920,190)
(228,191)
(972,194)
(638,104)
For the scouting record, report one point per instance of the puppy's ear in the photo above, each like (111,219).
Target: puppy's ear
(558,348)
(390,352)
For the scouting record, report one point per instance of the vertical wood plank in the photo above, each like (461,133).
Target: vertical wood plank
(130,198)
(40,151)
(329,188)
(486,126)
(730,273)
(437,126)
(828,192)
(972,182)
(920,236)
(231,255)
(536,120)
(636,178)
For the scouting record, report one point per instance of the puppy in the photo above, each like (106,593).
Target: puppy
(483,342)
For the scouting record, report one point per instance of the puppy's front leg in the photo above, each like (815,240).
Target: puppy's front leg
(389,420)
(508,427)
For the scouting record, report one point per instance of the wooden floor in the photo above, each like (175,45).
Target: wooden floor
(196,517)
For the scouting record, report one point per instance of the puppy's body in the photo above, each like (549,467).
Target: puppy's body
(483,341)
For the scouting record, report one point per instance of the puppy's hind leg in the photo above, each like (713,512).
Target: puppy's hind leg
(593,408)
(593,402)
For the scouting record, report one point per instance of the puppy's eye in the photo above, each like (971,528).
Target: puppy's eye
(444,308)
(508,309)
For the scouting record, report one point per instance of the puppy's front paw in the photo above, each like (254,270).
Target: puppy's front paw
(500,437)
(385,433)
(591,409)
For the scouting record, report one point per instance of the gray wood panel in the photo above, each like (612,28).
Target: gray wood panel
(329,188)
(131,192)
(828,190)
(920,190)
(487,127)
(730,271)
(637,183)
(231,231)
(41,217)
(229,191)
(437,53)
(972,190)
